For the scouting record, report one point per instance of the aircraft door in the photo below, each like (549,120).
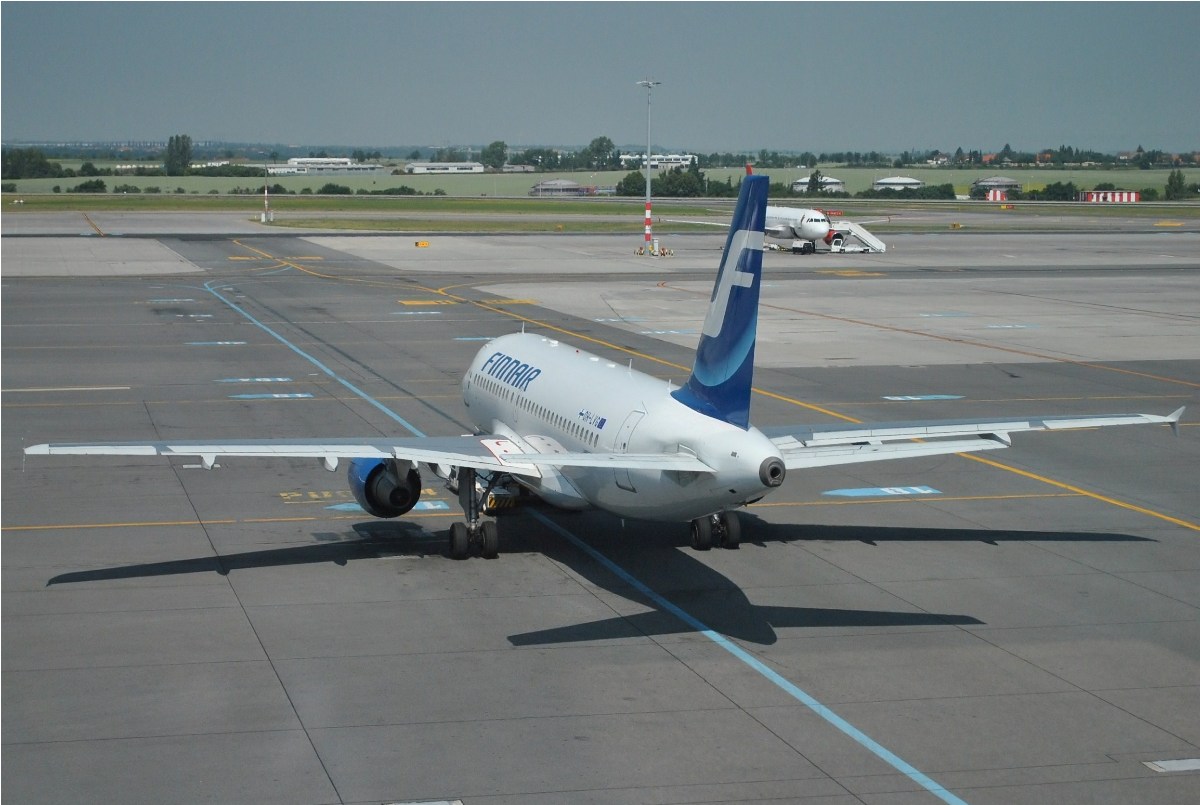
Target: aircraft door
(622,446)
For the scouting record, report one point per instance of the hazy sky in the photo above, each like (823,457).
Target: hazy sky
(735,76)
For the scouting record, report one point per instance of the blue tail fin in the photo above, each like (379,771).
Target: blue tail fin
(724,369)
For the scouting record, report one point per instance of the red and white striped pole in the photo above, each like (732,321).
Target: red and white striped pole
(648,84)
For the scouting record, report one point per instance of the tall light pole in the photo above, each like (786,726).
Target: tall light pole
(649,84)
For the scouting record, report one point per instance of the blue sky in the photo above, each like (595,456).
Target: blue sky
(735,76)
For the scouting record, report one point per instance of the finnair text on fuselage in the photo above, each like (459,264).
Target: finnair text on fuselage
(510,370)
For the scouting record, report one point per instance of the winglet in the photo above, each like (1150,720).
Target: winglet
(1173,419)
(724,367)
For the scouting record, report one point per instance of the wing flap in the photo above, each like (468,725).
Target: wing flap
(811,436)
(800,457)
(678,462)
(807,446)
(479,452)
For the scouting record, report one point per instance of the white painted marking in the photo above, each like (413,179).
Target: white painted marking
(1191,764)
(71,388)
(925,397)
(255,380)
(882,491)
(270,396)
(216,343)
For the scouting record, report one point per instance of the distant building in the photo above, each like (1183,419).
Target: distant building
(657,161)
(828,185)
(565,187)
(997,183)
(444,167)
(323,166)
(898,183)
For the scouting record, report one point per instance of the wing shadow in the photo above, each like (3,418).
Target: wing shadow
(662,561)
(665,563)
(369,540)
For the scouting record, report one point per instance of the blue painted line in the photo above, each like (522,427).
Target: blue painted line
(925,397)
(882,491)
(311,359)
(750,660)
(422,505)
(667,332)
(270,396)
(864,740)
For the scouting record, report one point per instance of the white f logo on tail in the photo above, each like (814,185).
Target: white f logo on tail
(740,241)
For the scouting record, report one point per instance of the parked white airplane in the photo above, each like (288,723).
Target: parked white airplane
(802,226)
(580,431)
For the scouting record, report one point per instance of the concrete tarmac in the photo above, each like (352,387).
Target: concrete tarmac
(1020,627)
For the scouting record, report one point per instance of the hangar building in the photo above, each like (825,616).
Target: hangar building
(897,183)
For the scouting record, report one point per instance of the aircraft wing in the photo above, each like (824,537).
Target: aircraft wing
(697,223)
(825,445)
(482,452)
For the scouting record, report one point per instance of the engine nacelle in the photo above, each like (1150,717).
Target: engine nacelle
(382,487)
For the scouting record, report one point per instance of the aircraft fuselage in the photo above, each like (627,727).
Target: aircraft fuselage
(549,397)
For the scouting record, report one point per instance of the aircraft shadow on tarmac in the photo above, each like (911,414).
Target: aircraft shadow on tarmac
(657,559)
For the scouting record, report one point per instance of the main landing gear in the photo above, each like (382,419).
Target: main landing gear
(724,529)
(475,532)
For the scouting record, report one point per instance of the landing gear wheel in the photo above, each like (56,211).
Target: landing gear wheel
(460,541)
(731,529)
(702,533)
(489,540)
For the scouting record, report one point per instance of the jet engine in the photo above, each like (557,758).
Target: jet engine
(384,487)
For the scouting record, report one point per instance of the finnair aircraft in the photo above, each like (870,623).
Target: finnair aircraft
(579,431)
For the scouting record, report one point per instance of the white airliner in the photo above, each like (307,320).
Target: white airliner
(580,431)
(802,226)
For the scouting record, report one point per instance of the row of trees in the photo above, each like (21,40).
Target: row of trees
(691,183)
(329,189)
(601,154)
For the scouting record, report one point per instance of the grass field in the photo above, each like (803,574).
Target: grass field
(500,203)
(519,184)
